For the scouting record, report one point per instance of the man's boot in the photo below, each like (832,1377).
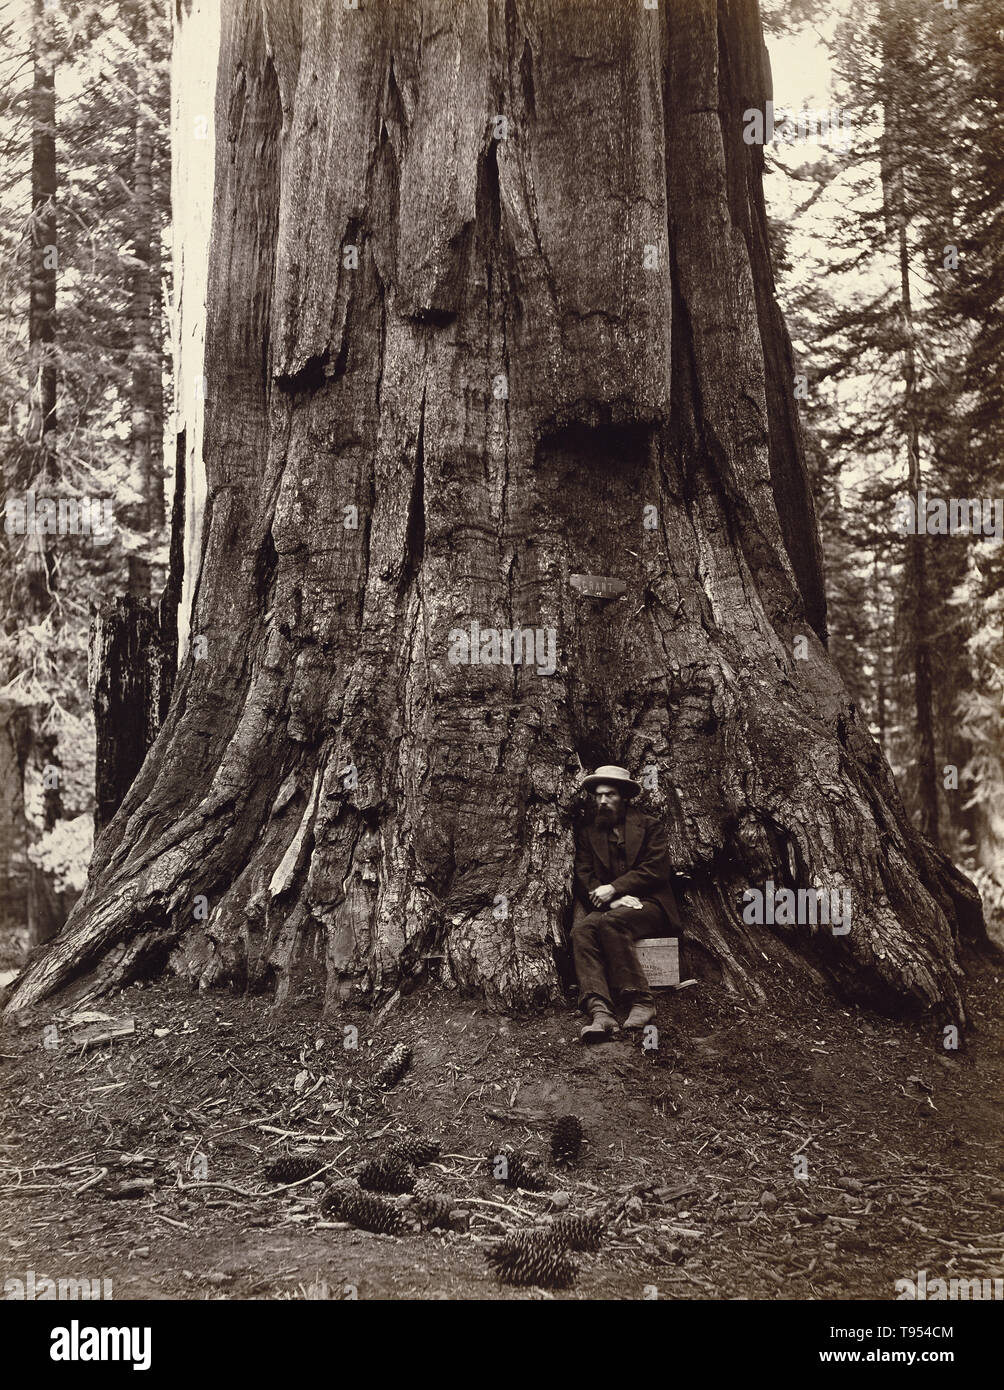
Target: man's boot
(642,1011)
(602,1025)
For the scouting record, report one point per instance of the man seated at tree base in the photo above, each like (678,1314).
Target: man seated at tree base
(622,873)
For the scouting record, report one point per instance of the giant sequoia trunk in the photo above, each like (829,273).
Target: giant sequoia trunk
(147,516)
(557,354)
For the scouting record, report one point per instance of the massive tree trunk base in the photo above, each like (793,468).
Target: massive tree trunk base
(558,354)
(268,924)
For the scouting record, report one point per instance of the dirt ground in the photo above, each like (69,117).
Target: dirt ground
(805,1151)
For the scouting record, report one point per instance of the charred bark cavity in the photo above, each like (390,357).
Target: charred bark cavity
(414,538)
(310,378)
(265,569)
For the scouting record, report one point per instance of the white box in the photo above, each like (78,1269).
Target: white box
(659,958)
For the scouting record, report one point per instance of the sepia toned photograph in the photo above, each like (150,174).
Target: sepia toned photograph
(501,668)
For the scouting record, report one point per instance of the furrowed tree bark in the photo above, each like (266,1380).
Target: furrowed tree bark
(148,516)
(522,350)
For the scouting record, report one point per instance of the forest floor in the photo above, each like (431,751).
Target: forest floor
(811,1152)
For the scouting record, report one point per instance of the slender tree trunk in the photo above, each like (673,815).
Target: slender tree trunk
(917,597)
(43,255)
(42,297)
(45,907)
(880,666)
(15,742)
(490,308)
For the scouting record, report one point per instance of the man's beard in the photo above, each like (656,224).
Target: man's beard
(606,819)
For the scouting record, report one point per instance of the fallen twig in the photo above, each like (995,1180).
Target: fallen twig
(302,1134)
(487,1202)
(91,1181)
(271,1192)
(32,1187)
(517,1116)
(81,1159)
(182,1226)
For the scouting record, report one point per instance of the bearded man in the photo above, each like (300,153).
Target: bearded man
(622,873)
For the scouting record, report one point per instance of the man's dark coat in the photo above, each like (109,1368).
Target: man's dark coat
(648,866)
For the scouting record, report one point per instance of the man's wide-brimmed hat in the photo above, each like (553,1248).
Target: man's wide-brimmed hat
(613,776)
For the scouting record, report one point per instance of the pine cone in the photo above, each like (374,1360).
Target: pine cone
(414,1151)
(333,1199)
(292,1168)
(434,1207)
(578,1232)
(363,1210)
(532,1257)
(535,1235)
(394,1067)
(424,1187)
(386,1174)
(517,1169)
(566,1139)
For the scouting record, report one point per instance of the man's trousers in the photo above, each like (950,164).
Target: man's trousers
(603,949)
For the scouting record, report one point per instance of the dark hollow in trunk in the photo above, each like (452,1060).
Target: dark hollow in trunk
(132,661)
(131,677)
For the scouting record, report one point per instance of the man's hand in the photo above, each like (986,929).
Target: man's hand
(628,900)
(600,896)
